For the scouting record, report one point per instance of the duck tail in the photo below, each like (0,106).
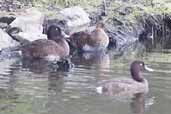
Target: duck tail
(99,89)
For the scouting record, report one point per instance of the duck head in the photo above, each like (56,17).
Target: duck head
(54,33)
(100,25)
(135,69)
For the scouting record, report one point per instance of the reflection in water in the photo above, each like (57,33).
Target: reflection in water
(52,73)
(32,87)
(138,104)
(41,66)
(37,66)
(8,93)
(55,81)
(100,59)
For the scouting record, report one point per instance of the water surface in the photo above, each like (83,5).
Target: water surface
(33,88)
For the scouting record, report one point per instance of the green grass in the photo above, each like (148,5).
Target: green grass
(67,3)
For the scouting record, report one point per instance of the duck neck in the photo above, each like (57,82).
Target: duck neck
(136,75)
(139,79)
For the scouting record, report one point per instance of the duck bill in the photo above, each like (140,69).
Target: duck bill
(148,69)
(64,35)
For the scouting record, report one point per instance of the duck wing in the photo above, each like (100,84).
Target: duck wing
(122,87)
(41,48)
(78,40)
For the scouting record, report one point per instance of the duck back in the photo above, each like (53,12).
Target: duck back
(40,49)
(97,40)
(122,86)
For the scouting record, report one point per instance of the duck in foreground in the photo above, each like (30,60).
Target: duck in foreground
(97,40)
(126,86)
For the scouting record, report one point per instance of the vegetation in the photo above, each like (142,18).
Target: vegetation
(62,3)
(135,7)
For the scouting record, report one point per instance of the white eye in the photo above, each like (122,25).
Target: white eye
(141,64)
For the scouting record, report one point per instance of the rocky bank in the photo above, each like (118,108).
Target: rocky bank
(127,22)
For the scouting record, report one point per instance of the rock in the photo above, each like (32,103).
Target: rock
(6,41)
(6,19)
(120,38)
(75,17)
(32,36)
(16,33)
(30,22)
(3,25)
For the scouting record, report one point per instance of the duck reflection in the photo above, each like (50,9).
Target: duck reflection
(52,71)
(56,81)
(138,103)
(98,59)
(8,79)
(42,66)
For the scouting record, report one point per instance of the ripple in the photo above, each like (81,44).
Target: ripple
(36,87)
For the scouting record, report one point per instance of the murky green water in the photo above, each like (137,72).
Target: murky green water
(32,88)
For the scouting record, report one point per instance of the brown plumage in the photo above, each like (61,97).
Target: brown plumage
(94,41)
(42,48)
(124,86)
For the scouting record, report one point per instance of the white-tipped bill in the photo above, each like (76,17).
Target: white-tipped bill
(65,35)
(148,69)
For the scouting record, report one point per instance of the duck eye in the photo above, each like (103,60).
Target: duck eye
(141,64)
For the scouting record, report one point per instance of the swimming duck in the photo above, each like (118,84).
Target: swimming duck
(53,48)
(126,86)
(97,40)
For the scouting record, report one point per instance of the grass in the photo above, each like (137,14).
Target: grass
(67,3)
(142,6)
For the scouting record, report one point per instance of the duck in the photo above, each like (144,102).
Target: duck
(94,41)
(124,86)
(54,48)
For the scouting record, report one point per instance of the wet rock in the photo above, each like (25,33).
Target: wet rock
(6,41)
(32,36)
(120,37)
(31,23)
(6,19)
(75,18)
(24,37)
(30,20)
(3,25)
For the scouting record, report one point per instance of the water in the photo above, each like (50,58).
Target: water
(33,88)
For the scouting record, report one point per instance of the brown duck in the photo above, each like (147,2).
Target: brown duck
(97,40)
